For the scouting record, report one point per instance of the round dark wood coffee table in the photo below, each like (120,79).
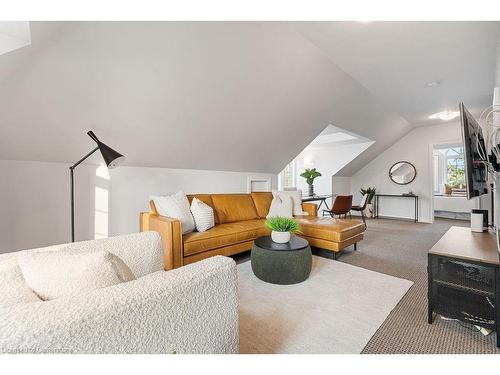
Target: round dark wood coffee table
(281,263)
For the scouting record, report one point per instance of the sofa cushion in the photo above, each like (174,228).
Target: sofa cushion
(53,274)
(262,201)
(330,229)
(234,207)
(224,235)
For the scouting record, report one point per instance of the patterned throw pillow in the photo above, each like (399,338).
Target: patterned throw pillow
(177,207)
(203,215)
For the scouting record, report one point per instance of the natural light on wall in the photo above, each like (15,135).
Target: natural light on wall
(14,35)
(329,152)
(101,202)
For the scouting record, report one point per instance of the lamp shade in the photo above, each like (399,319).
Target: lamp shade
(111,157)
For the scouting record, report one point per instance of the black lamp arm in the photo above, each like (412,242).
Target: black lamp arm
(83,159)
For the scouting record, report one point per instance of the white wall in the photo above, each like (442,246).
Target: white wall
(341,185)
(35,200)
(131,188)
(456,204)
(328,160)
(415,148)
(35,204)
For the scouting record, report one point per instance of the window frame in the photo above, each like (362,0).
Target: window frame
(293,173)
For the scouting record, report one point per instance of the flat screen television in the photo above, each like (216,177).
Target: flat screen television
(475,155)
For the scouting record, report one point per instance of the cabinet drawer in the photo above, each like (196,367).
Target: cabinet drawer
(477,278)
(468,307)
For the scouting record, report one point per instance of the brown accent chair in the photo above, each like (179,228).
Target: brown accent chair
(239,220)
(341,206)
(361,208)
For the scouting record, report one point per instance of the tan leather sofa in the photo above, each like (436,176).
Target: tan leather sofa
(239,220)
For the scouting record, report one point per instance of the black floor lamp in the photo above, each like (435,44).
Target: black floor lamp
(111,158)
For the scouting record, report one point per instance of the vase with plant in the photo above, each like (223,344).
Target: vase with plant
(281,227)
(310,174)
(370,192)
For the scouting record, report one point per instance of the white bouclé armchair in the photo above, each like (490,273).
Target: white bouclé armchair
(192,309)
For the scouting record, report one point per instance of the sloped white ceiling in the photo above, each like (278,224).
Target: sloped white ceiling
(330,152)
(220,96)
(14,35)
(397,60)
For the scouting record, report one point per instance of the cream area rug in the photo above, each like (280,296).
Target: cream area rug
(336,310)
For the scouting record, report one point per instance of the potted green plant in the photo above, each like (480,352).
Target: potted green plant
(310,174)
(370,192)
(281,227)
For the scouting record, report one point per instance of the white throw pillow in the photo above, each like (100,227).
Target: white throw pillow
(296,197)
(52,274)
(203,215)
(14,289)
(281,207)
(176,206)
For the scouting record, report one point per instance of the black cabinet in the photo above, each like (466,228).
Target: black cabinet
(463,289)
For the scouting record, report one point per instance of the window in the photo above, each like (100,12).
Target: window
(287,176)
(449,168)
(455,166)
(101,213)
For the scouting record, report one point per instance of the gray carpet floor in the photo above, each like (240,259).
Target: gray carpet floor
(399,248)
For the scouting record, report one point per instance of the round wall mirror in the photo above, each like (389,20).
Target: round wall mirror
(402,172)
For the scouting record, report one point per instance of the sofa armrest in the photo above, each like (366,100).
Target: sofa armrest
(192,309)
(310,208)
(170,231)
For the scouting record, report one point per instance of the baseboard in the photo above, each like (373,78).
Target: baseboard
(398,218)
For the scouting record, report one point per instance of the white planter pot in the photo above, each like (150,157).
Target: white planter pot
(280,237)
(369,210)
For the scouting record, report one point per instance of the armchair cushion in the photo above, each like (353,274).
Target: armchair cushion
(141,252)
(52,274)
(14,288)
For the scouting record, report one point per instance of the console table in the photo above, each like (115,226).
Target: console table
(463,272)
(321,198)
(414,197)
